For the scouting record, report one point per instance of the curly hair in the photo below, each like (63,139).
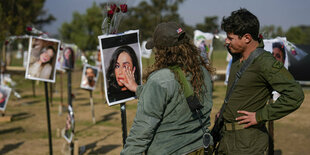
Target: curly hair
(187,57)
(241,22)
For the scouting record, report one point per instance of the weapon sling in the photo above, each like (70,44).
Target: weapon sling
(193,104)
(216,130)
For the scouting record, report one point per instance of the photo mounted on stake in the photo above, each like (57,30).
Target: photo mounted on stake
(68,57)
(4,96)
(42,56)
(89,77)
(204,41)
(120,51)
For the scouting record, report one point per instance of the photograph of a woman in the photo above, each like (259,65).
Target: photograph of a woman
(41,63)
(4,96)
(121,53)
(68,58)
(89,77)
(123,57)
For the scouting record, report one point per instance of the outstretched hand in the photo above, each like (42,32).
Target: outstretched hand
(130,83)
(249,118)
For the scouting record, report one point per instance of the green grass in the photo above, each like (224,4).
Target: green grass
(218,59)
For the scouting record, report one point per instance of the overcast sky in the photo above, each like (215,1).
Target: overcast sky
(285,13)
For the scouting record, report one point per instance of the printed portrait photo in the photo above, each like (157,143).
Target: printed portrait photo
(89,77)
(4,96)
(68,57)
(278,50)
(42,57)
(118,53)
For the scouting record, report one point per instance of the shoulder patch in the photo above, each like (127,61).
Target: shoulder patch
(277,64)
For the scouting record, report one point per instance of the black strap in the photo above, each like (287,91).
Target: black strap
(192,102)
(246,64)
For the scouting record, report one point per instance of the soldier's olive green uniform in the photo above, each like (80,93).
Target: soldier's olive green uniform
(251,93)
(164,124)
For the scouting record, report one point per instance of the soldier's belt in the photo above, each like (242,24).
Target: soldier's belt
(233,126)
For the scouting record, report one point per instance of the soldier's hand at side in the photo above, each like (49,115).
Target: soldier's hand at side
(249,118)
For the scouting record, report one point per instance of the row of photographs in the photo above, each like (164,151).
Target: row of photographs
(117,52)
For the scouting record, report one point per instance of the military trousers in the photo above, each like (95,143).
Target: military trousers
(249,141)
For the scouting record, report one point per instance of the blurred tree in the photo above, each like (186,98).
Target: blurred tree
(210,25)
(84,28)
(16,15)
(272,31)
(299,35)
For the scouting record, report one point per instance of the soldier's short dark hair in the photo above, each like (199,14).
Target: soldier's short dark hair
(241,22)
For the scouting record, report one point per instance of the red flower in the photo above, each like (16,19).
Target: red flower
(123,8)
(260,36)
(113,7)
(110,14)
(6,43)
(29,28)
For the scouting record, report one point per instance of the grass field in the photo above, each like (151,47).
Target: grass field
(27,132)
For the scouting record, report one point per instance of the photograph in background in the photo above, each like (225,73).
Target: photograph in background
(204,41)
(120,51)
(89,77)
(4,96)
(42,56)
(68,57)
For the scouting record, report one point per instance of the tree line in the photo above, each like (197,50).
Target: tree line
(84,28)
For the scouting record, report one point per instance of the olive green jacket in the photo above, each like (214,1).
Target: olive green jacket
(255,86)
(164,123)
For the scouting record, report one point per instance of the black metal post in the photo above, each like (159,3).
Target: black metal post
(61,89)
(69,88)
(70,104)
(48,119)
(124,122)
(51,94)
(61,105)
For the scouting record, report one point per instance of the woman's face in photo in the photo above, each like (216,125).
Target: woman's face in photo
(46,56)
(67,54)
(277,53)
(124,60)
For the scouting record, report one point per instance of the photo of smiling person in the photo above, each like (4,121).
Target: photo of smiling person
(41,64)
(89,77)
(124,57)
(121,56)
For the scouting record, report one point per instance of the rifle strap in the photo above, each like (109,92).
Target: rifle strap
(193,102)
(245,65)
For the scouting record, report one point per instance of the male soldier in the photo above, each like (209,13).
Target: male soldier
(244,131)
